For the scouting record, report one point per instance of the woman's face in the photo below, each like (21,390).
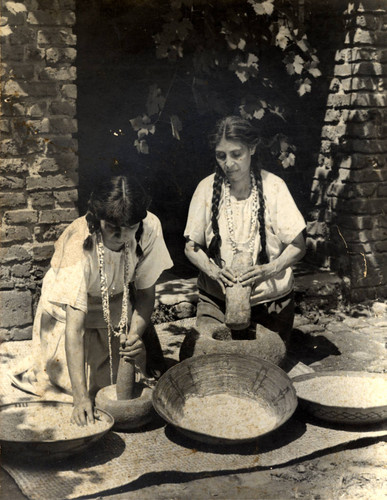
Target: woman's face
(114,236)
(234,158)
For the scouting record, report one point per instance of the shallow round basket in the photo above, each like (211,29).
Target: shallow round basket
(52,443)
(339,413)
(241,376)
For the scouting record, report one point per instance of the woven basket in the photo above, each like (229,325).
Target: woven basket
(241,376)
(14,448)
(340,414)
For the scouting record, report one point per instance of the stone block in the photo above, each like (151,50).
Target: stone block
(21,270)
(184,310)
(62,55)
(58,215)
(49,232)
(42,89)
(11,234)
(42,200)
(16,334)
(13,253)
(367,146)
(63,126)
(64,73)
(51,37)
(12,52)
(5,126)
(13,166)
(37,110)
(23,71)
(20,217)
(12,200)
(44,165)
(367,99)
(50,182)
(43,252)
(338,100)
(66,197)
(22,35)
(51,18)
(363,190)
(69,91)
(61,144)
(366,207)
(63,107)
(8,182)
(9,147)
(15,308)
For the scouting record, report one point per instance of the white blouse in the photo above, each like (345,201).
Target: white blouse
(73,278)
(283,222)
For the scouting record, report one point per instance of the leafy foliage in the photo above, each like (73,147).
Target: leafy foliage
(237,56)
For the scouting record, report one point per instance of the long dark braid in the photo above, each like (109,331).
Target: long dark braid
(138,235)
(262,256)
(237,129)
(216,242)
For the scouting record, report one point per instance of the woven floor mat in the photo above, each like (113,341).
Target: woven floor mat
(120,458)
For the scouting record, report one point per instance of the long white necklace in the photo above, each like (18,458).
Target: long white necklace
(122,326)
(230,219)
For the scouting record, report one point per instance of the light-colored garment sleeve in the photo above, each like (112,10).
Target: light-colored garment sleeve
(199,212)
(287,219)
(66,282)
(155,257)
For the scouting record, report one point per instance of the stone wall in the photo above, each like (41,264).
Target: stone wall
(347,228)
(38,183)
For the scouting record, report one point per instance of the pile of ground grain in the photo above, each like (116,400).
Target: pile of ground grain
(227,416)
(45,423)
(348,391)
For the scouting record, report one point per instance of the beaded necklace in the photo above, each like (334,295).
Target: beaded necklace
(230,219)
(122,326)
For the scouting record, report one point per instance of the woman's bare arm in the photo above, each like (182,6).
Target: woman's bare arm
(75,354)
(199,259)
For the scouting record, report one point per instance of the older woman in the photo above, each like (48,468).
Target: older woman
(244,208)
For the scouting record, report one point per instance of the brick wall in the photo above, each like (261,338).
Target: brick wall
(38,169)
(347,228)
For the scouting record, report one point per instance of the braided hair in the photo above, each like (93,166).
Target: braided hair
(122,201)
(235,128)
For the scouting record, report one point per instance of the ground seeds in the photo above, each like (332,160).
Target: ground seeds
(348,391)
(226,416)
(43,423)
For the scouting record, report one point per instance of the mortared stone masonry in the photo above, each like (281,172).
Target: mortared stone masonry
(347,227)
(38,183)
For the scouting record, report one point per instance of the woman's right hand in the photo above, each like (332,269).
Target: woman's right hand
(224,276)
(83,411)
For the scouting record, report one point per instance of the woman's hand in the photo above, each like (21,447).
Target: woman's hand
(224,276)
(131,346)
(257,274)
(83,412)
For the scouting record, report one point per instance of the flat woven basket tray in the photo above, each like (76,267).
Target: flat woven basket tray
(345,397)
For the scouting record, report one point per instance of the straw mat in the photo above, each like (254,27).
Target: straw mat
(121,458)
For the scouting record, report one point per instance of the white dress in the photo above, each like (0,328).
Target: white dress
(283,222)
(73,279)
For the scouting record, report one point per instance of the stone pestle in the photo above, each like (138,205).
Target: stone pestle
(238,308)
(125,380)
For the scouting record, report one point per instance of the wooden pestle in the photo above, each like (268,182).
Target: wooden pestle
(125,380)
(238,309)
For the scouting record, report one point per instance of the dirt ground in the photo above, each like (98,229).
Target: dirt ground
(345,338)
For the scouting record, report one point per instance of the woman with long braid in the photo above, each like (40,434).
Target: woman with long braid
(97,299)
(244,208)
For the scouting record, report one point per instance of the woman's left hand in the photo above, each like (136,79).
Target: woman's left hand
(257,274)
(131,346)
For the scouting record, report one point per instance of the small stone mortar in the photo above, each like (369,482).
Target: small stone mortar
(129,403)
